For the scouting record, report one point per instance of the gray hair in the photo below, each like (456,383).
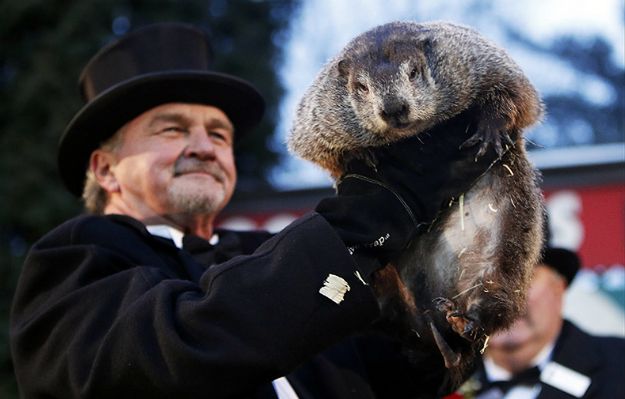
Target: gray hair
(94,197)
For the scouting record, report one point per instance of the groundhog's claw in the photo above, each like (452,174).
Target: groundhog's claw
(479,138)
(490,131)
(471,141)
(463,324)
(444,304)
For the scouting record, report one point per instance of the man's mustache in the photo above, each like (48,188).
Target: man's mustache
(193,165)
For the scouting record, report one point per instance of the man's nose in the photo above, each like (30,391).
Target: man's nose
(200,145)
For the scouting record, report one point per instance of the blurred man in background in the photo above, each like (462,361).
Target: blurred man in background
(544,356)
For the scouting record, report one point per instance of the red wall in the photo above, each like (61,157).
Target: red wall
(593,218)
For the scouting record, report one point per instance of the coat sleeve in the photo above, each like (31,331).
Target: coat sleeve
(90,320)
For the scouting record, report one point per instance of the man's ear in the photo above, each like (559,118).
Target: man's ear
(101,165)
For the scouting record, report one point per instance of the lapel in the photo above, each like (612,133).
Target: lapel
(300,388)
(177,260)
(187,265)
(265,391)
(574,349)
(549,392)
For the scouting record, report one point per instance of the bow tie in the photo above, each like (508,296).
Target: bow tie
(200,249)
(207,254)
(193,243)
(527,377)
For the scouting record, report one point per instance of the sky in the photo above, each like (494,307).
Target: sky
(323,27)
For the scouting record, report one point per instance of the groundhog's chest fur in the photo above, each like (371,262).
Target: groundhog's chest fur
(467,276)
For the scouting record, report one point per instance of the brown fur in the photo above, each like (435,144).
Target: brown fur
(466,278)
(431,71)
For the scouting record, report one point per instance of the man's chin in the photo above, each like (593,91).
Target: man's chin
(191,200)
(517,335)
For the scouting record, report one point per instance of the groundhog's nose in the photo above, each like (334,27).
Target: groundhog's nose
(395,114)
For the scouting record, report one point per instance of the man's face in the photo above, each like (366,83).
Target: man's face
(176,159)
(543,318)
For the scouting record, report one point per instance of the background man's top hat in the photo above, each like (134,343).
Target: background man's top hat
(154,65)
(563,261)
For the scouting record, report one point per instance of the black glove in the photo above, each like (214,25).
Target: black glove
(379,209)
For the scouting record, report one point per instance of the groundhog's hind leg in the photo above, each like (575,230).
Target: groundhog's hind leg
(467,325)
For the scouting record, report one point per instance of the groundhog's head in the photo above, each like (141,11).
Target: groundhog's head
(388,75)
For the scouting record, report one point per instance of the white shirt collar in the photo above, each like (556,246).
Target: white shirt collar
(497,373)
(172,233)
(168,232)
(283,389)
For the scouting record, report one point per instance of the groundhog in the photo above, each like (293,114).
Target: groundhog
(466,277)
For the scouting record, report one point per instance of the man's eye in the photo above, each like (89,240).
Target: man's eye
(218,135)
(173,129)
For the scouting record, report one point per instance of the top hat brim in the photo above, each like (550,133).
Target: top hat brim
(564,261)
(110,110)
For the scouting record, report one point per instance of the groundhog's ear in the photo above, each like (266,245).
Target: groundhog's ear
(343,68)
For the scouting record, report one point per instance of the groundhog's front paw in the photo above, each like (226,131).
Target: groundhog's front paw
(365,157)
(490,131)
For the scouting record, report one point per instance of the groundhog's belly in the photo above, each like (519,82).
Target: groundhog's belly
(471,234)
(462,280)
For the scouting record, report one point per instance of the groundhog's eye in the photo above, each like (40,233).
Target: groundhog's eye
(413,73)
(361,87)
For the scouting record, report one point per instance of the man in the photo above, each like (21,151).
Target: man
(143,297)
(544,356)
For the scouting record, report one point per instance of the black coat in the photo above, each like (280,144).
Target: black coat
(600,358)
(104,309)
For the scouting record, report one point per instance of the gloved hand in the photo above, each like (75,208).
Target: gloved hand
(379,209)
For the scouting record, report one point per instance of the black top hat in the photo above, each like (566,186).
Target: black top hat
(154,65)
(563,261)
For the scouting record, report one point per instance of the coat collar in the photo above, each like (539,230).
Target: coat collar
(229,244)
(575,350)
